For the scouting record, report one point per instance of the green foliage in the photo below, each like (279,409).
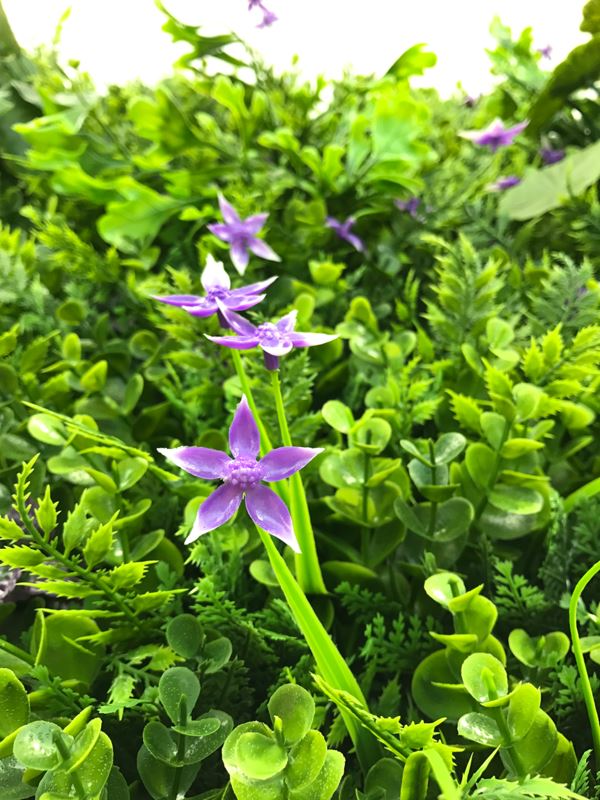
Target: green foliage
(458,412)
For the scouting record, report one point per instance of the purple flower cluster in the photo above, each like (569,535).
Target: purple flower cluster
(242,478)
(410,206)
(506,182)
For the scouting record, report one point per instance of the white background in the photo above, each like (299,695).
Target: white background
(118,40)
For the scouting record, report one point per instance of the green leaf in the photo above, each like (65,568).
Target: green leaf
(10,530)
(98,544)
(296,709)
(178,690)
(46,429)
(580,69)
(35,745)
(444,587)
(591,17)
(185,635)
(548,188)
(132,223)
(20,556)
(522,708)
(484,677)
(125,576)
(14,703)
(260,757)
(448,447)
(94,379)
(75,529)
(542,651)
(516,500)
(480,728)
(481,464)
(306,759)
(46,514)
(130,471)
(371,435)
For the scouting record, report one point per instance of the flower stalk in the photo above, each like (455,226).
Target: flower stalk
(308,568)
(586,687)
(328,658)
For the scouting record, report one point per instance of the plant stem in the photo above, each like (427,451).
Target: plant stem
(586,686)
(364,534)
(328,658)
(308,568)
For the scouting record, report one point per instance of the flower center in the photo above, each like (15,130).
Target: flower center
(269,334)
(244,472)
(216,292)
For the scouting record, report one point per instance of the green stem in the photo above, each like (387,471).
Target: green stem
(328,658)
(16,651)
(308,568)
(62,748)
(245,384)
(364,535)
(586,686)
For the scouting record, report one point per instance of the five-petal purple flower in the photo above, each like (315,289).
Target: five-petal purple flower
(495,135)
(217,286)
(242,476)
(343,230)
(275,339)
(241,236)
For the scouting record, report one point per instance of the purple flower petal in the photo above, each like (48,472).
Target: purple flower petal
(220,230)
(262,249)
(206,309)
(288,322)
(178,299)
(228,212)
(299,339)
(270,513)
(242,302)
(244,439)
(254,288)
(239,255)
(234,342)
(333,223)
(203,462)
(280,349)
(214,275)
(254,223)
(216,510)
(355,241)
(237,323)
(284,461)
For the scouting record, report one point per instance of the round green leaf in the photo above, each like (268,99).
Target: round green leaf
(296,709)
(516,499)
(306,758)
(185,635)
(216,654)
(260,757)
(484,677)
(46,429)
(371,435)
(448,447)
(480,728)
(444,586)
(178,690)
(35,745)
(130,471)
(523,706)
(338,416)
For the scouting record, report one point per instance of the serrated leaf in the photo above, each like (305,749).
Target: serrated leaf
(99,544)
(65,588)
(46,514)
(127,575)
(20,556)
(152,600)
(75,528)
(10,530)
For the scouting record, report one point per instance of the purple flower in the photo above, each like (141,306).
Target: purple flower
(411,206)
(242,476)
(550,156)
(504,183)
(545,52)
(471,100)
(269,17)
(217,285)
(240,234)
(343,231)
(495,136)
(275,339)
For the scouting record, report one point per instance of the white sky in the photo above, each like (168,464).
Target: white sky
(117,40)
